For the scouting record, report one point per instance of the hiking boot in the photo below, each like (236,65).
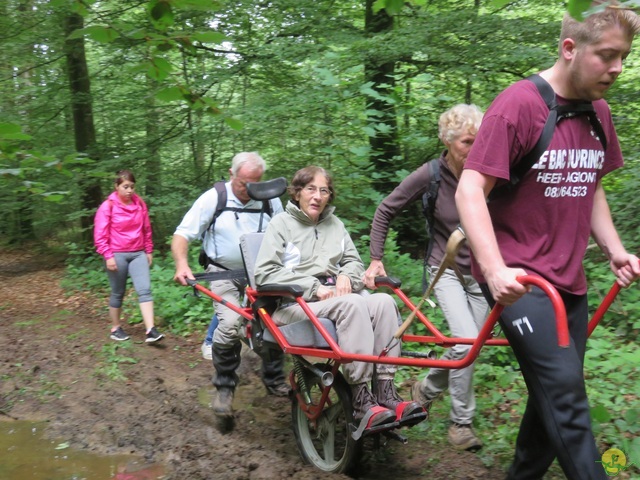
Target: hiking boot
(119,335)
(280,389)
(153,335)
(387,396)
(222,403)
(418,395)
(207,351)
(463,437)
(365,407)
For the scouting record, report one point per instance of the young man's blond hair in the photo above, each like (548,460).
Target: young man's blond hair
(591,28)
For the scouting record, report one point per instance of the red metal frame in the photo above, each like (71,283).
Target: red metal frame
(485,337)
(338,356)
(313,410)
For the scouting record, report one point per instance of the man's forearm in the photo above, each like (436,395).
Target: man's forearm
(603,230)
(179,250)
(476,223)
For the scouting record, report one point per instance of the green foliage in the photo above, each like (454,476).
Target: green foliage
(613,385)
(577,8)
(34,185)
(175,306)
(622,198)
(178,87)
(113,357)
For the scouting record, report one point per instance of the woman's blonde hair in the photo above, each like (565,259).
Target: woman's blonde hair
(459,120)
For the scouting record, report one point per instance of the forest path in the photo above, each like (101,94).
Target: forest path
(54,366)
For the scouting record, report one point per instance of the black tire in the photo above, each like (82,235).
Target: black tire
(329,445)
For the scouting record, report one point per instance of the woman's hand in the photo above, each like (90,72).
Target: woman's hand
(343,285)
(111,265)
(149,258)
(376,269)
(325,292)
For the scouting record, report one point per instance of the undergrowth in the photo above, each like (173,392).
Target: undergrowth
(611,364)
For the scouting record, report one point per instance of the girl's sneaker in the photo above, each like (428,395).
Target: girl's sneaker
(119,335)
(154,335)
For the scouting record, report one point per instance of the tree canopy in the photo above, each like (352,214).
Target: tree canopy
(172,89)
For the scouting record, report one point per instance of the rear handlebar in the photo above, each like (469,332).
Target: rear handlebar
(558,305)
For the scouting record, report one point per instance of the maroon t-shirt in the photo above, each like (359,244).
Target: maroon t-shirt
(544,225)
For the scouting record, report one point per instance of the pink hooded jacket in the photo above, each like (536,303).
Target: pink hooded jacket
(122,228)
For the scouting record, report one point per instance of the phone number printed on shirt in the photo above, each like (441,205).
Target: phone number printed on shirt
(557,192)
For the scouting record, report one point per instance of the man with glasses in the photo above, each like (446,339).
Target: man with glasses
(221,244)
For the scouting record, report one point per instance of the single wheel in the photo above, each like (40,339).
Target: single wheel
(327,443)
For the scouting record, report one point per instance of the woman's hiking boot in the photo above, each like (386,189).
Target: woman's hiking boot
(366,411)
(406,412)
(463,437)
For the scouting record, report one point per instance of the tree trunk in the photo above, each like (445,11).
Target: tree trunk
(384,145)
(83,126)
(152,163)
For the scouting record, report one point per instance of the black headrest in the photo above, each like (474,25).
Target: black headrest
(267,190)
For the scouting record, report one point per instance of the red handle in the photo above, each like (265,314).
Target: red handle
(558,305)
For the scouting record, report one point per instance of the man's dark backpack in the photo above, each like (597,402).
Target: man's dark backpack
(203,259)
(556,114)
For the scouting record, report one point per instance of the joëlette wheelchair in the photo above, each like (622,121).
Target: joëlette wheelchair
(325,431)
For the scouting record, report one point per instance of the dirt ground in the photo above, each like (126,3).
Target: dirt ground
(52,368)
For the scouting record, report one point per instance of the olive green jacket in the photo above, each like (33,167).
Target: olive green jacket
(297,251)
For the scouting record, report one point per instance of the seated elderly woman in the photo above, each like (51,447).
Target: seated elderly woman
(310,247)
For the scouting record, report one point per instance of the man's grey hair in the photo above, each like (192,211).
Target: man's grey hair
(243,158)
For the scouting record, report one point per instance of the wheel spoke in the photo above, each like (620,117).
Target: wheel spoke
(332,413)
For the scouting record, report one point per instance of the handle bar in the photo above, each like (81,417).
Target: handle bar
(562,325)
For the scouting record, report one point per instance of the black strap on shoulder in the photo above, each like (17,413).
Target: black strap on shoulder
(556,114)
(428,209)
(221,206)
(222,202)
(430,196)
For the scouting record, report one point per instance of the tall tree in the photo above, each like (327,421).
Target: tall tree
(379,71)
(83,125)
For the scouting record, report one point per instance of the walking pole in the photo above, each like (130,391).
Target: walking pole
(455,241)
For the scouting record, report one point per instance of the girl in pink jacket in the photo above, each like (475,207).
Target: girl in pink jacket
(122,235)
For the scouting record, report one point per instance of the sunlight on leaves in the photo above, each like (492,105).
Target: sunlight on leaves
(209,37)
(499,3)
(576,8)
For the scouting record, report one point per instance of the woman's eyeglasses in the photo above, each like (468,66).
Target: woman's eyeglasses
(312,190)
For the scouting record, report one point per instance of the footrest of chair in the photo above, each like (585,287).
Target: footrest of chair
(356,435)
(414,419)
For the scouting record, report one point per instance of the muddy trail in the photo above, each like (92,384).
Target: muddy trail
(54,367)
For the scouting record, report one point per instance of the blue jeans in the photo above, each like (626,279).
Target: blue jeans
(212,328)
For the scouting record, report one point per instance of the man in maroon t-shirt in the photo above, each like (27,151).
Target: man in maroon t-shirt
(543,226)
